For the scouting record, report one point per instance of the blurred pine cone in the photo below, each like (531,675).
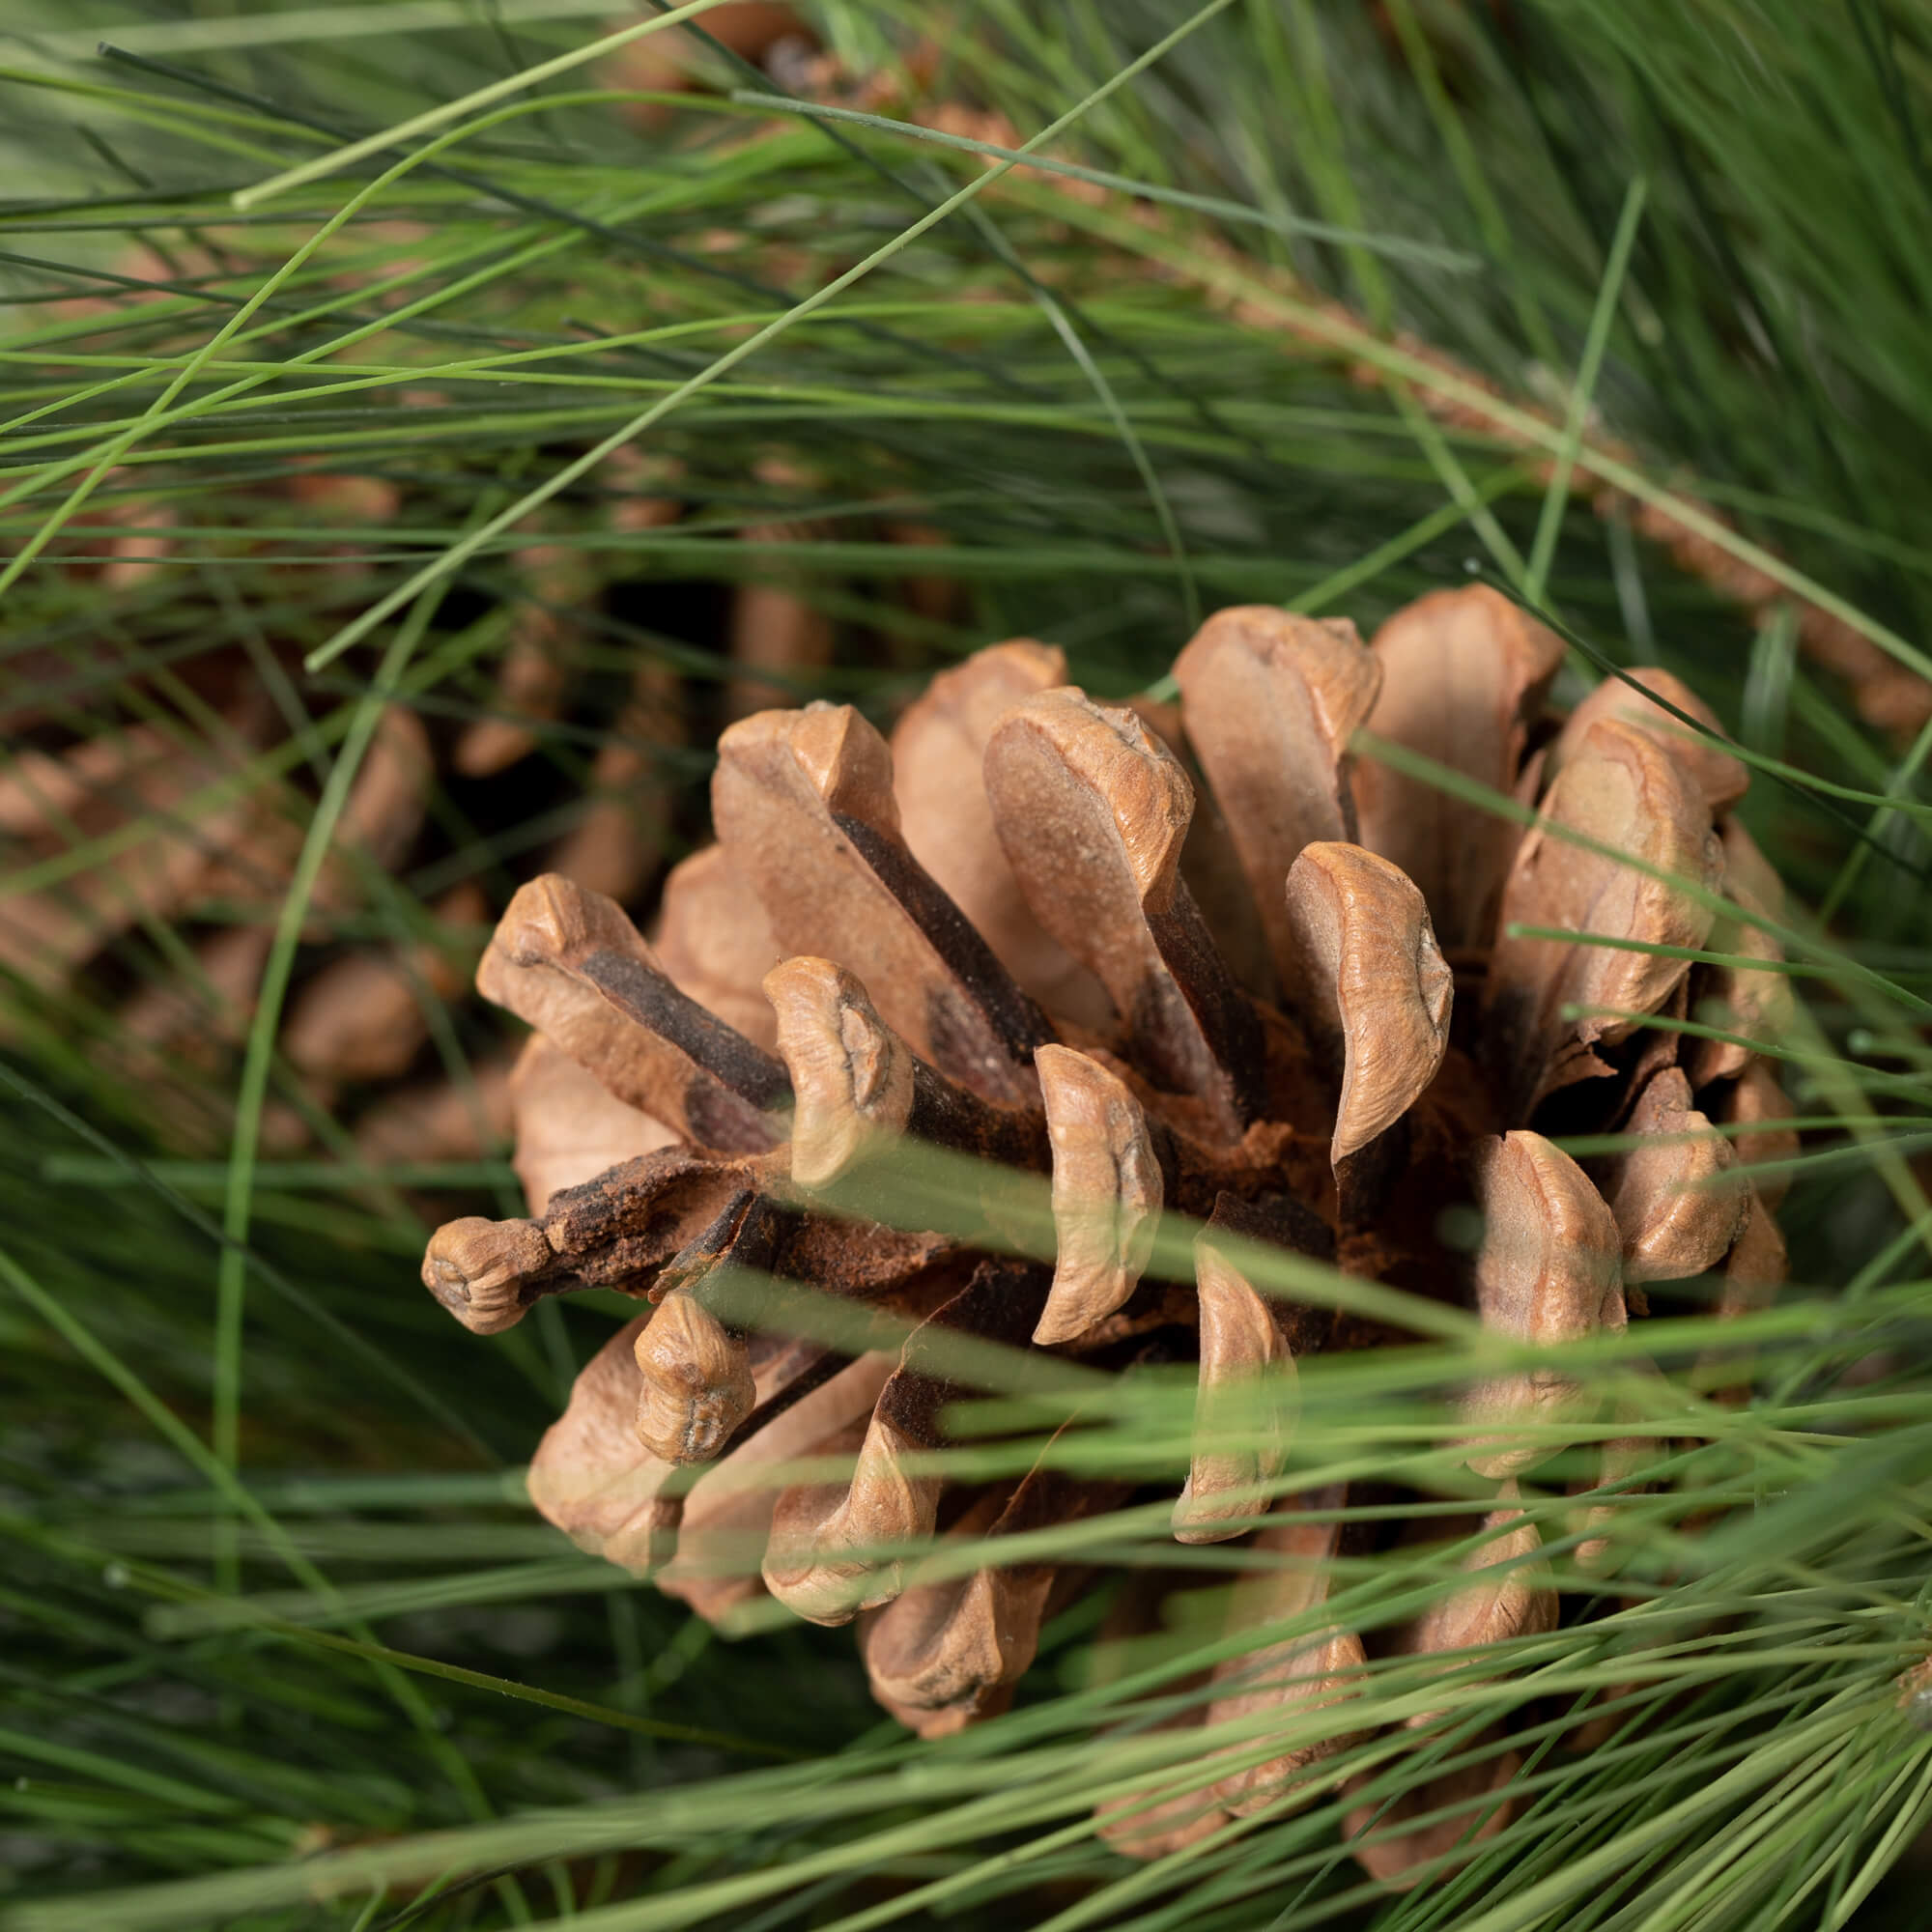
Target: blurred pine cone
(1204,963)
(165,808)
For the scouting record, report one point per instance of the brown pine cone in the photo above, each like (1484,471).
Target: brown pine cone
(1011,934)
(219,843)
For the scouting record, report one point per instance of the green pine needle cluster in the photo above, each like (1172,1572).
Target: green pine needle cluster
(314,320)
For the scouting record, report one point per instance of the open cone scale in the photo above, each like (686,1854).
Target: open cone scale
(987,936)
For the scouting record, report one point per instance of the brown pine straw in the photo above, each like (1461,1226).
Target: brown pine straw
(1892,689)
(1889,681)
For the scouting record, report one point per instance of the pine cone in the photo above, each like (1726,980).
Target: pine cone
(359,1015)
(1021,933)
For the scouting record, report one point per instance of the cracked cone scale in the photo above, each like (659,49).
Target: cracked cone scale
(1001,934)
